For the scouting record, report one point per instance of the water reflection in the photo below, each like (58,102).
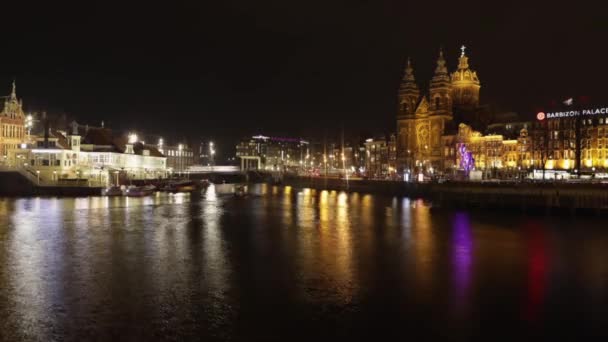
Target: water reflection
(537,269)
(462,258)
(221,266)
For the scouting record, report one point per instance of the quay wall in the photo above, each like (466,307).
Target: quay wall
(568,197)
(13,184)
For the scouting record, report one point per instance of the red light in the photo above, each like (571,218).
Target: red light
(540,116)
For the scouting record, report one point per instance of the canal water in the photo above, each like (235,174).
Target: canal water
(293,264)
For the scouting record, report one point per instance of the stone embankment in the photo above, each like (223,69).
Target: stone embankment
(522,196)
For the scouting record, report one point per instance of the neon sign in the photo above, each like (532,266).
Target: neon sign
(540,116)
(572,113)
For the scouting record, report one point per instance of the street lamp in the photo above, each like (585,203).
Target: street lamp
(160,145)
(29,122)
(211,154)
(132,138)
(180,148)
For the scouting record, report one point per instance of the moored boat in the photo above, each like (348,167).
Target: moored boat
(112,191)
(181,186)
(140,191)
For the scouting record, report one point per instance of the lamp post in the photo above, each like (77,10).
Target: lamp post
(29,122)
(180,148)
(116,173)
(211,155)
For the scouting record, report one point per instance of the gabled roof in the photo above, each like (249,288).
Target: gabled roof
(423,106)
(139,147)
(62,141)
(98,136)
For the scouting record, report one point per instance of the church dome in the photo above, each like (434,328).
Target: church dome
(465,83)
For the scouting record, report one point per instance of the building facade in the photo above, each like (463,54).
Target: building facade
(180,157)
(271,153)
(92,154)
(12,125)
(381,158)
(422,120)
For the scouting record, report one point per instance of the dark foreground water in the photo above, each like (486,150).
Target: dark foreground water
(289,264)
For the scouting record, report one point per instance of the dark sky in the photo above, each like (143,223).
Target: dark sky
(230,68)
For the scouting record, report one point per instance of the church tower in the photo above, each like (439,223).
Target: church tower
(408,92)
(465,84)
(12,124)
(440,88)
(13,107)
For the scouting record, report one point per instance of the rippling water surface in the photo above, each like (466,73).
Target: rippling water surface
(293,264)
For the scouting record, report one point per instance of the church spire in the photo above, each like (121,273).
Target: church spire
(408,91)
(14,91)
(440,87)
(441,68)
(409,72)
(463,61)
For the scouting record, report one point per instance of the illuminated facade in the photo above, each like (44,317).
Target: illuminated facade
(381,158)
(555,142)
(273,153)
(94,155)
(12,125)
(180,157)
(494,154)
(422,121)
(447,131)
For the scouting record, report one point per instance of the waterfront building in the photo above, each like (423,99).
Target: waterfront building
(12,125)
(92,154)
(179,157)
(273,153)
(555,141)
(380,157)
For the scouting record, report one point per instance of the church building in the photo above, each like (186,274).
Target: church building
(424,118)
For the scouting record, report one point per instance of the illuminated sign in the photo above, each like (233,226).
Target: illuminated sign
(572,113)
(540,116)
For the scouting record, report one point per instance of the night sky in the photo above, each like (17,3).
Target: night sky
(224,69)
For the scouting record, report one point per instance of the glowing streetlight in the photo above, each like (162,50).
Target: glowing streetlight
(29,123)
(211,154)
(132,138)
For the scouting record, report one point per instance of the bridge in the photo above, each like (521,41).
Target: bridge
(225,169)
